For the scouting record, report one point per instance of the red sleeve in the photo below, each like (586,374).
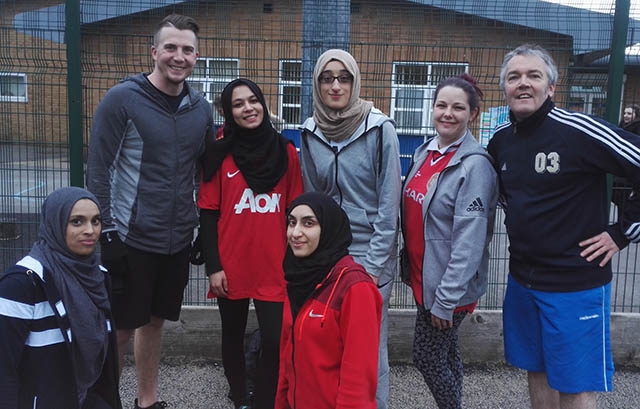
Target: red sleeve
(360,317)
(295,187)
(285,358)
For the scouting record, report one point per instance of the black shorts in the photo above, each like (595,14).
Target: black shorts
(153,286)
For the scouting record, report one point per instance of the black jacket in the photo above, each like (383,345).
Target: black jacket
(35,358)
(552,169)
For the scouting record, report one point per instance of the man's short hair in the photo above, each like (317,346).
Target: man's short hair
(177,21)
(535,50)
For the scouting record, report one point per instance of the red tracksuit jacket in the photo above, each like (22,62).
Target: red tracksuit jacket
(329,356)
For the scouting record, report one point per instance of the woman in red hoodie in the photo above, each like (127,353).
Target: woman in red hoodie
(331,318)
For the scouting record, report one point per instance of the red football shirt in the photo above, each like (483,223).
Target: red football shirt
(414,194)
(252,228)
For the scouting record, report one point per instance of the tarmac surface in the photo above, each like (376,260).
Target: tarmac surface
(201,385)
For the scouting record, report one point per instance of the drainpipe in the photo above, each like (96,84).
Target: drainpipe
(326,24)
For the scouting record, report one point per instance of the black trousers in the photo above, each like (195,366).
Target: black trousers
(233,314)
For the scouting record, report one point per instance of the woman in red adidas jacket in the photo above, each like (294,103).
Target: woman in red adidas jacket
(331,318)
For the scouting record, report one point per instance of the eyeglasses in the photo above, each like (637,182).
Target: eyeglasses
(342,79)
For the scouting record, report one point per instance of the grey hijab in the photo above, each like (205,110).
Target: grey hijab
(80,283)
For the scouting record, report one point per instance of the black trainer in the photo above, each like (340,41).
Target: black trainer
(158,405)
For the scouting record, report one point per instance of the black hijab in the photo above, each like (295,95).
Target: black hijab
(303,274)
(261,153)
(80,283)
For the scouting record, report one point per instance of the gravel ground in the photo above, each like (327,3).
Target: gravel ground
(201,385)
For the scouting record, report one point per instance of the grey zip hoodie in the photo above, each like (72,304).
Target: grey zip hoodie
(456,254)
(142,163)
(362,174)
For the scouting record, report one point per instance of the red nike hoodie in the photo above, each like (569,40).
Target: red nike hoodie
(329,356)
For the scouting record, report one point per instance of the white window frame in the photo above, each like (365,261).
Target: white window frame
(424,90)
(588,95)
(212,84)
(282,83)
(3,87)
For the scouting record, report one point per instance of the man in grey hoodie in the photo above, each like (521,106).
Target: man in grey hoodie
(146,136)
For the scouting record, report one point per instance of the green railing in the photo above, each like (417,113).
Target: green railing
(59,58)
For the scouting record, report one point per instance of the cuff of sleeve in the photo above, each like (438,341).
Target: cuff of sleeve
(441,312)
(617,235)
(211,268)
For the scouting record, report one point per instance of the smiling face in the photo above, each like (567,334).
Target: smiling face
(246,108)
(452,114)
(628,115)
(83,228)
(303,231)
(526,85)
(335,94)
(174,55)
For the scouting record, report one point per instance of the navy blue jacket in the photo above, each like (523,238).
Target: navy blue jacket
(552,169)
(35,359)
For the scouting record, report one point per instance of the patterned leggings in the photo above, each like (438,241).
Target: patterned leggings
(436,354)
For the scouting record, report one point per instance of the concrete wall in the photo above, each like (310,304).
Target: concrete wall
(197,336)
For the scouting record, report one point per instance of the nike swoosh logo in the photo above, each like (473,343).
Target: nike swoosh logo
(312,315)
(230,175)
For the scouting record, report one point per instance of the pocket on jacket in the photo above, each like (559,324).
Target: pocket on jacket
(360,225)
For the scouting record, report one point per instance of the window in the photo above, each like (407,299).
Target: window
(13,87)
(413,84)
(210,75)
(590,100)
(588,93)
(290,93)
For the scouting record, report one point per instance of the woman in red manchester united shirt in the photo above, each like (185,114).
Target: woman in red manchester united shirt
(331,320)
(448,211)
(250,177)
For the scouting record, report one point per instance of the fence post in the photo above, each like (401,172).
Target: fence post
(616,70)
(616,60)
(74,92)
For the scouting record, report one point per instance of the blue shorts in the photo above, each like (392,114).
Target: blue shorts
(564,334)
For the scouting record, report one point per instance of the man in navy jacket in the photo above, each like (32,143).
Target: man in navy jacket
(552,166)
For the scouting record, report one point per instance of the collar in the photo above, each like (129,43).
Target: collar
(535,119)
(433,145)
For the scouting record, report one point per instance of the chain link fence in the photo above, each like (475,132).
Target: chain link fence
(403,49)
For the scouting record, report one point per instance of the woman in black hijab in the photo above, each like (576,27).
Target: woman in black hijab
(332,313)
(250,177)
(59,350)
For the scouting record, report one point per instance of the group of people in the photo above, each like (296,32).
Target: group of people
(311,239)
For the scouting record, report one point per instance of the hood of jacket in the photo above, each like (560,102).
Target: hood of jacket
(375,119)
(468,147)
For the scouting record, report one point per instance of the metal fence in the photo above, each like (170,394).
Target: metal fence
(59,58)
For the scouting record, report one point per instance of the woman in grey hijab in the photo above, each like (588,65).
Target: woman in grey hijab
(59,350)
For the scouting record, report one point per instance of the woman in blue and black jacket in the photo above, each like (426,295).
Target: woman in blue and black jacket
(58,345)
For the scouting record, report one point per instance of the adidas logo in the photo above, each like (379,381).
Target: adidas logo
(476,206)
